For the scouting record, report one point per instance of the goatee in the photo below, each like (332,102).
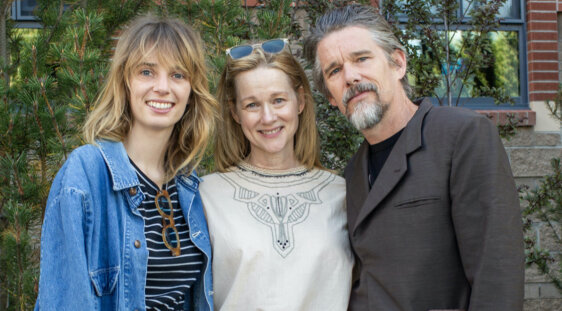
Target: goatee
(366,114)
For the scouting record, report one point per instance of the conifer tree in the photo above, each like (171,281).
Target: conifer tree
(54,73)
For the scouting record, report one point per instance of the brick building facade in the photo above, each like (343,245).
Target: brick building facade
(531,150)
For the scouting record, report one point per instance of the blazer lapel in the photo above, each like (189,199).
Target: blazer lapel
(357,184)
(394,168)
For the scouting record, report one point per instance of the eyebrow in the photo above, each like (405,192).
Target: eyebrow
(152,65)
(147,64)
(245,99)
(353,55)
(280,93)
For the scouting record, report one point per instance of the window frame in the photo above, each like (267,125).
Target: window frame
(506,24)
(23,21)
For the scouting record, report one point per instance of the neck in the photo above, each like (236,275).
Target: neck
(396,117)
(147,150)
(273,162)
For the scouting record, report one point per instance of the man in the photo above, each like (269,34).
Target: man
(433,212)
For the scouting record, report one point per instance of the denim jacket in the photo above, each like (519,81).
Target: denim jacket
(93,249)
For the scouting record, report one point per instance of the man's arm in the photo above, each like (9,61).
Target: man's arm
(487,219)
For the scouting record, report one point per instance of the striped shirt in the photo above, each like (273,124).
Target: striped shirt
(168,278)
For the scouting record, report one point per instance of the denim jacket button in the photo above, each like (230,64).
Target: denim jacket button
(132,191)
(137,244)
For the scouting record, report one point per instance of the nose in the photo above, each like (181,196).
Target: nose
(269,114)
(161,84)
(351,74)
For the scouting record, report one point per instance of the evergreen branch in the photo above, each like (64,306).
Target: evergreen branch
(17,178)
(59,18)
(53,119)
(280,11)
(41,140)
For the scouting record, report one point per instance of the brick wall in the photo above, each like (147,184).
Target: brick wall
(559,43)
(542,48)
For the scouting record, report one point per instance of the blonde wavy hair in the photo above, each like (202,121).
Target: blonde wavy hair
(175,43)
(231,145)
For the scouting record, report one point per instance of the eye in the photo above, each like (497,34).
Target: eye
(146,72)
(279,100)
(251,106)
(362,59)
(178,76)
(333,72)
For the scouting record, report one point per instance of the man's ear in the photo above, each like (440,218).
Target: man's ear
(399,60)
(233,112)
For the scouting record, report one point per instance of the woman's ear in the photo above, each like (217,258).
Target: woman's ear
(300,95)
(233,111)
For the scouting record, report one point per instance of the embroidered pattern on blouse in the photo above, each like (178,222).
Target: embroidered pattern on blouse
(279,203)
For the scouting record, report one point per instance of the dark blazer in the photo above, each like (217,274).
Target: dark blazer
(441,227)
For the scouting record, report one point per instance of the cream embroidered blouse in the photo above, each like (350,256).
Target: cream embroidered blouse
(279,239)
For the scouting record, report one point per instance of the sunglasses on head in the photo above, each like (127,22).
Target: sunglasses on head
(271,46)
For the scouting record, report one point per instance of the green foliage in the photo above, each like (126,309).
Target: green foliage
(509,129)
(222,24)
(54,76)
(544,204)
(20,254)
(338,138)
(555,106)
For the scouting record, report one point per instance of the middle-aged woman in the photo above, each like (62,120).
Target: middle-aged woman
(124,226)
(276,219)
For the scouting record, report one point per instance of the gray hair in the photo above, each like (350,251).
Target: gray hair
(352,15)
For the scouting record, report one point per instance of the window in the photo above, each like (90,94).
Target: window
(504,64)
(511,8)
(22,10)
(22,14)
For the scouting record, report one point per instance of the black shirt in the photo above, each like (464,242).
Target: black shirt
(378,153)
(169,279)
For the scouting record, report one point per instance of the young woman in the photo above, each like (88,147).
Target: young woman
(124,227)
(276,218)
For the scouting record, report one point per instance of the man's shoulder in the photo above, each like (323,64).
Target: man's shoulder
(447,119)
(454,114)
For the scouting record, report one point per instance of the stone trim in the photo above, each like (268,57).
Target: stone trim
(500,117)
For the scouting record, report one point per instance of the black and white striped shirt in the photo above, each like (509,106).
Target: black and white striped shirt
(168,278)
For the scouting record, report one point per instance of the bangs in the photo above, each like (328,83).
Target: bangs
(167,46)
(170,55)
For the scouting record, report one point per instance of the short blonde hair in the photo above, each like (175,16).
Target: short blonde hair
(176,43)
(231,145)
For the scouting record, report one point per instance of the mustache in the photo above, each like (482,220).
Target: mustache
(359,88)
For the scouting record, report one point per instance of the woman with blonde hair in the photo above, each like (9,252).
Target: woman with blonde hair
(276,218)
(124,227)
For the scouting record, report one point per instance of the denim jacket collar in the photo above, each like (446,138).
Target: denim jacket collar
(123,174)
